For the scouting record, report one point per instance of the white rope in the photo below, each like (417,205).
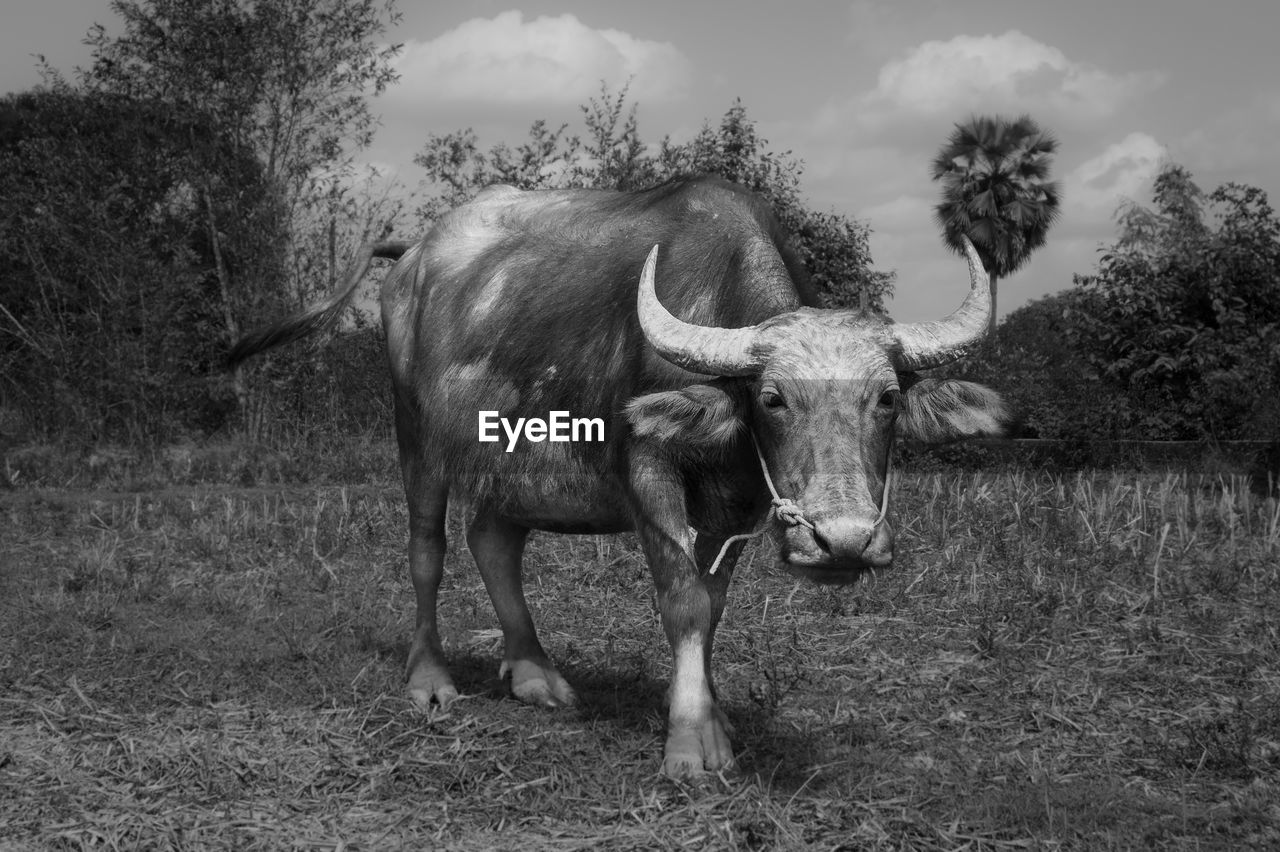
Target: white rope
(786,510)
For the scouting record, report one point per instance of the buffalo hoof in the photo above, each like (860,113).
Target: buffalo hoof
(694,749)
(538,684)
(427,684)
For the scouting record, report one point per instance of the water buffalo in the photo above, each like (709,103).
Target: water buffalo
(681,319)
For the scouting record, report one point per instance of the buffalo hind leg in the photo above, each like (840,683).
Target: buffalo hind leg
(498,546)
(428,678)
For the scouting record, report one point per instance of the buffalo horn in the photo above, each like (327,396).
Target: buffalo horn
(934,343)
(698,348)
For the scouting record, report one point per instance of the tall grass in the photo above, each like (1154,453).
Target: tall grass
(1084,661)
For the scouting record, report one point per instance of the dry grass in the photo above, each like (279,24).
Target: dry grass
(1082,662)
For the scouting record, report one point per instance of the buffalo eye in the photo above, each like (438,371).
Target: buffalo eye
(772,400)
(889,399)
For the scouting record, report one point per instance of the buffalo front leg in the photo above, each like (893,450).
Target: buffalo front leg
(498,546)
(690,602)
(697,729)
(706,548)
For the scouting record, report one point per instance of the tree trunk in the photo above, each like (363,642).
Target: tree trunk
(991,323)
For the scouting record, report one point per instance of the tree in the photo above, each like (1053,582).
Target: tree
(1038,363)
(833,247)
(457,169)
(1188,319)
(287,80)
(109,310)
(612,157)
(996,191)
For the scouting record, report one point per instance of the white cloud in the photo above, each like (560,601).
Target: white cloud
(1009,71)
(1124,169)
(507,60)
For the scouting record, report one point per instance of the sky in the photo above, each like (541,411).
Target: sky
(863,93)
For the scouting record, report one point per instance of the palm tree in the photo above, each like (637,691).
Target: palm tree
(996,190)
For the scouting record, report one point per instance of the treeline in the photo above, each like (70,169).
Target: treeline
(611,154)
(198,179)
(1175,335)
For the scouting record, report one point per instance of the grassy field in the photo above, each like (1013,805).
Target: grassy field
(1078,662)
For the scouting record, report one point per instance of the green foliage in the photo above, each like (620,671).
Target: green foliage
(1036,363)
(289,79)
(1188,319)
(613,156)
(110,318)
(458,168)
(834,248)
(191,182)
(1176,336)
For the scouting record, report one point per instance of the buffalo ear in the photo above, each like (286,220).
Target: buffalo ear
(935,411)
(698,416)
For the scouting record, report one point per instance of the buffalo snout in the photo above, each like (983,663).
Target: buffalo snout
(839,547)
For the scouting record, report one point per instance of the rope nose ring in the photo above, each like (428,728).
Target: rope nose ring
(786,509)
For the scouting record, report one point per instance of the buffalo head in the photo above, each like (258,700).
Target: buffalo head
(823,392)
